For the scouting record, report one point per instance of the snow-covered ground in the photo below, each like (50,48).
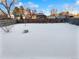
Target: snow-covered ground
(43,41)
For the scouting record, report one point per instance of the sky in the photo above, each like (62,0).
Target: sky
(46,5)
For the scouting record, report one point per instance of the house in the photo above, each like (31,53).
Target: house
(3,15)
(76,16)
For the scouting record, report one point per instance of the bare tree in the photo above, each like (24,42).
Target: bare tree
(7,5)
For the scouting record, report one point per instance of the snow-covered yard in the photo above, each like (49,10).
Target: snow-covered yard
(43,41)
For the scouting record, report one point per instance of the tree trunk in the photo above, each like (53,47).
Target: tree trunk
(8,10)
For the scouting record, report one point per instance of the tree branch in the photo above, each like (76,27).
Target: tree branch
(3,11)
(3,5)
(11,4)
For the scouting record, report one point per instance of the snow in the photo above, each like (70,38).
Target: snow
(43,41)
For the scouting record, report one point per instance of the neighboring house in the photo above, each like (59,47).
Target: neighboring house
(51,17)
(34,16)
(12,16)
(76,16)
(27,14)
(66,14)
(3,15)
(41,16)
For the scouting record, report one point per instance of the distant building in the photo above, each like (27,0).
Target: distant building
(54,12)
